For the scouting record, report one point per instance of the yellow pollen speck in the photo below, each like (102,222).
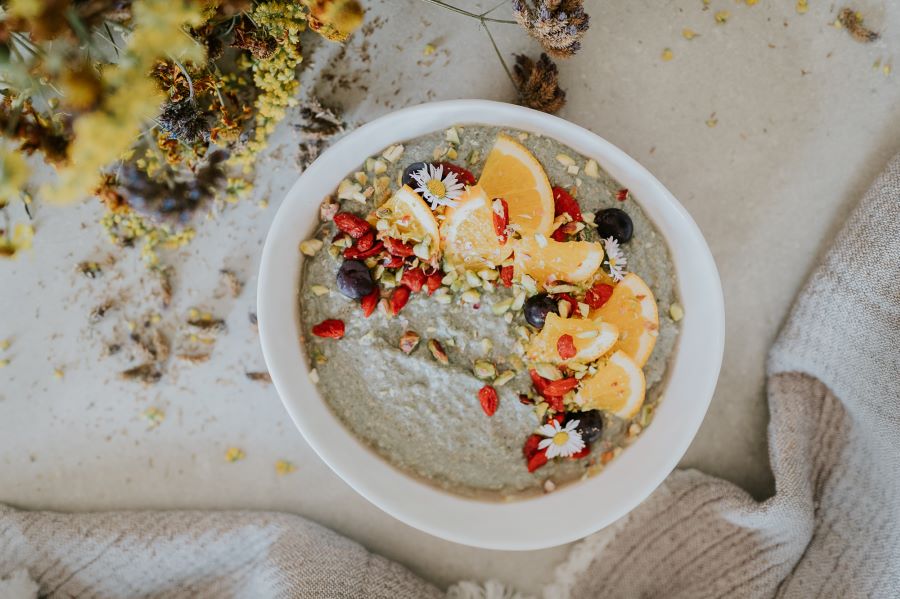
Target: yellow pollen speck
(436,188)
(234,454)
(802,6)
(4,363)
(722,16)
(688,33)
(712,122)
(667,55)
(886,69)
(283,467)
(560,438)
(58,373)
(4,345)
(429,49)
(751,2)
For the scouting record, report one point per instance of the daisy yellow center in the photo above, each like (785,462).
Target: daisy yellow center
(560,438)
(436,188)
(612,261)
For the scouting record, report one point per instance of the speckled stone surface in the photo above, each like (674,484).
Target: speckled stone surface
(803,122)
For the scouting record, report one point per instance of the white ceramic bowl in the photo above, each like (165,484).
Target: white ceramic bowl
(577,509)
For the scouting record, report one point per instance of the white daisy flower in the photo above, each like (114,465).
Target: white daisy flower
(560,442)
(435,187)
(615,258)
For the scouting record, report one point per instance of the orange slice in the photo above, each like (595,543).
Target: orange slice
(618,386)
(467,235)
(632,308)
(513,173)
(409,219)
(591,338)
(546,260)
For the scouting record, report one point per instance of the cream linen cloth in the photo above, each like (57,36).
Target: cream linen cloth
(831,530)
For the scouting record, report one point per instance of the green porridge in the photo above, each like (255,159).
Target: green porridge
(411,385)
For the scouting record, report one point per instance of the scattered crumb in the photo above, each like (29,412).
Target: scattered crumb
(429,50)
(262,377)
(667,55)
(235,285)
(154,417)
(234,454)
(802,6)
(283,467)
(58,373)
(689,34)
(712,121)
(722,17)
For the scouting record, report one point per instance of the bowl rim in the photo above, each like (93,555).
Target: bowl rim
(580,508)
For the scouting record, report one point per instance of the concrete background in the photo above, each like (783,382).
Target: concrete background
(804,121)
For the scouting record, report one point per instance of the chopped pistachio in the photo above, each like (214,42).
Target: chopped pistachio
(529,284)
(565,159)
(584,309)
(471,296)
(449,277)
(508,317)
(408,341)
(437,350)
(564,307)
(393,153)
(378,167)
(319,290)
(516,362)
(452,135)
(548,371)
(519,299)
(573,170)
(502,306)
(541,409)
(474,157)
(676,312)
(348,190)
(310,247)
(484,369)
(486,345)
(452,154)
(473,279)
(504,377)
(360,177)
(314,376)
(592,169)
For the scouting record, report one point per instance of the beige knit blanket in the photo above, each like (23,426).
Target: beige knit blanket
(831,530)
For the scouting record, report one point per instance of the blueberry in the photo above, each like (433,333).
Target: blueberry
(590,424)
(537,307)
(354,279)
(408,173)
(614,222)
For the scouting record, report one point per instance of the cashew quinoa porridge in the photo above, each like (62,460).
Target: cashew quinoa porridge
(488,311)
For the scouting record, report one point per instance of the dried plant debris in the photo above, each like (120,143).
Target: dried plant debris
(184,121)
(155,346)
(262,377)
(91,270)
(852,21)
(172,198)
(206,323)
(193,358)
(147,373)
(538,83)
(99,312)
(234,284)
(164,275)
(319,125)
(558,25)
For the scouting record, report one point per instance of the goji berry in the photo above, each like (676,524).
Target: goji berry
(560,387)
(331,328)
(500,210)
(537,460)
(366,242)
(555,403)
(525,400)
(581,454)
(462,175)
(539,382)
(622,195)
(531,446)
(393,261)
(487,395)
(598,295)
(433,282)
(399,299)
(558,235)
(353,253)
(564,203)
(565,347)
(395,247)
(414,279)
(351,224)
(370,302)
(506,276)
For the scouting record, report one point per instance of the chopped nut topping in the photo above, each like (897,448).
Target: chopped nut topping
(437,350)
(409,341)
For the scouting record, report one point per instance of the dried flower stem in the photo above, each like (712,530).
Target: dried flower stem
(499,55)
(481,17)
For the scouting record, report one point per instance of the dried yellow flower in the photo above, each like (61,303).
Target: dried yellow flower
(234,454)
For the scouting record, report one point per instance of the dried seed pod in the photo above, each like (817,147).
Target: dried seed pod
(409,341)
(437,350)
